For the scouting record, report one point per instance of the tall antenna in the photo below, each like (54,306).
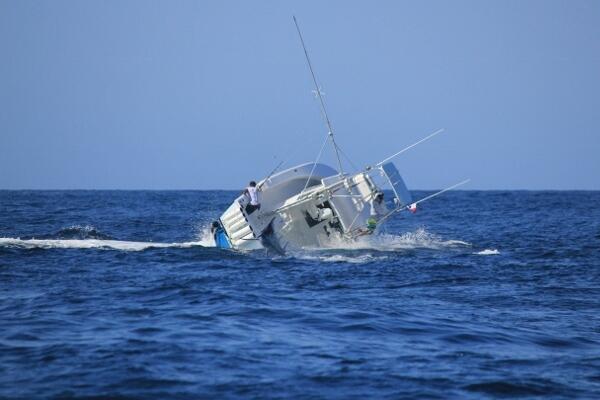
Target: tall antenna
(319,95)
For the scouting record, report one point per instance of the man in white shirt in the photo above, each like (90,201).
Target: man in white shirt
(252,193)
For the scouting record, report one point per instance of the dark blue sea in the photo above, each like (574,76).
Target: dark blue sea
(117,294)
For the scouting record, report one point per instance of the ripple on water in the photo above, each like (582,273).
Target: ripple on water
(119,299)
(514,388)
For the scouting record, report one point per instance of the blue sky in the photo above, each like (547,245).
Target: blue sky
(207,95)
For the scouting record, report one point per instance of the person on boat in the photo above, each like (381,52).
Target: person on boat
(214,227)
(252,193)
(378,208)
(219,235)
(378,211)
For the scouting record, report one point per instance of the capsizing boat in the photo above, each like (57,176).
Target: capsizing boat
(313,205)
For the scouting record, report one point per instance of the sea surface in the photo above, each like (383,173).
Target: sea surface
(119,294)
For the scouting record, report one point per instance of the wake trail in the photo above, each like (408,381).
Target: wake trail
(97,241)
(92,244)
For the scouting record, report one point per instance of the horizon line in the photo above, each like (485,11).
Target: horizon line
(234,190)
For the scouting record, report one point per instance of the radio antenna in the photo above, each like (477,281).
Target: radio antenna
(321,102)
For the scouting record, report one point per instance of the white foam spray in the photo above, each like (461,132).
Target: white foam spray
(204,236)
(406,241)
(382,243)
(339,258)
(488,252)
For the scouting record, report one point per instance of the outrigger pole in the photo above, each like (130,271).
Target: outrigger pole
(409,147)
(431,196)
(356,231)
(322,103)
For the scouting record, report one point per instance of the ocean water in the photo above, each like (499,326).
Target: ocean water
(118,294)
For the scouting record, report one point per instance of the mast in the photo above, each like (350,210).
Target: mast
(321,102)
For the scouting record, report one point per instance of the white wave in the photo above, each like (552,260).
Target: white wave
(89,244)
(406,241)
(205,237)
(82,228)
(336,258)
(488,252)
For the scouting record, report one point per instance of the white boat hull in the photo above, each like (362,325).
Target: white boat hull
(308,206)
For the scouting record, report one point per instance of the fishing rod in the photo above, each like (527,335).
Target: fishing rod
(270,174)
(290,154)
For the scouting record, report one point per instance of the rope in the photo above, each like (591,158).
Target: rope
(315,163)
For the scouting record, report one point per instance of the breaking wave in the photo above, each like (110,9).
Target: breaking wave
(81,232)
